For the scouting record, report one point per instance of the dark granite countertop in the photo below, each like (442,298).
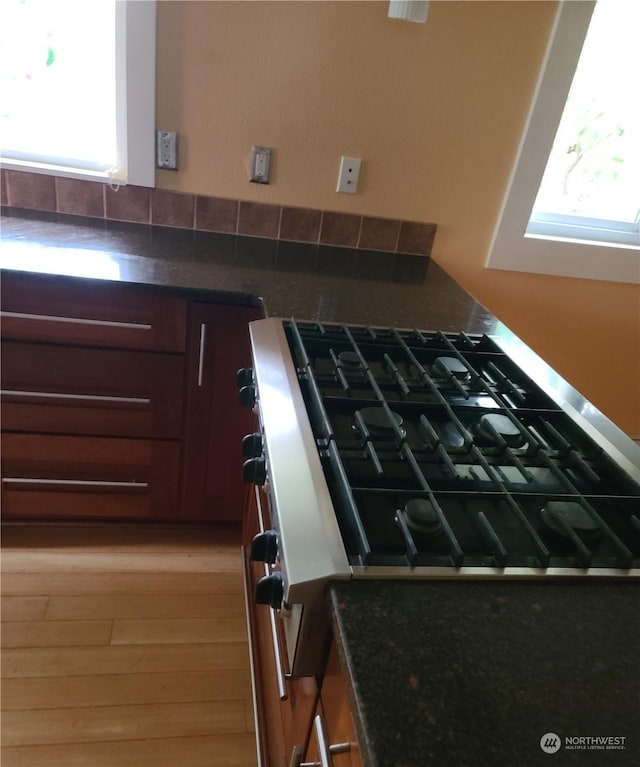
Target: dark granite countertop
(314,282)
(473,674)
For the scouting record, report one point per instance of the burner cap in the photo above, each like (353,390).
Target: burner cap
(573,514)
(422,516)
(493,423)
(451,366)
(349,360)
(377,421)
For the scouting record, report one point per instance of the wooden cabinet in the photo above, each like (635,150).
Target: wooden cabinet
(48,476)
(66,389)
(115,404)
(218,346)
(333,730)
(39,307)
(285,706)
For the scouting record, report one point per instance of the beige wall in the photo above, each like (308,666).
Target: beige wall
(435,110)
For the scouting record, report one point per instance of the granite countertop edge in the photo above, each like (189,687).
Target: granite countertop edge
(287,279)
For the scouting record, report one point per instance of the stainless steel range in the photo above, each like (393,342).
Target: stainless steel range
(408,454)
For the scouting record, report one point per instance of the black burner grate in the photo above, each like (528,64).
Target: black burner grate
(447,423)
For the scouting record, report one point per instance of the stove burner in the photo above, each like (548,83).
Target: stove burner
(573,515)
(349,361)
(493,424)
(377,421)
(422,517)
(451,366)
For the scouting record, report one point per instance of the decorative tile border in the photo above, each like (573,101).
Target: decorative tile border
(214,214)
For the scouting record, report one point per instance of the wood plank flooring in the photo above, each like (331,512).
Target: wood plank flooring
(124,646)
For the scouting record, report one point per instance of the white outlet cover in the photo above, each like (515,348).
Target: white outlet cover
(348,174)
(260,169)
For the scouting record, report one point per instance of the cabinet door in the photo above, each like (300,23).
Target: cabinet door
(215,422)
(75,390)
(48,476)
(339,731)
(79,311)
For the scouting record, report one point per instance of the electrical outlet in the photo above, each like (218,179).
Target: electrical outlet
(348,174)
(167,149)
(260,164)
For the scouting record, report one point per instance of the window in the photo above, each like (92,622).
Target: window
(78,88)
(580,234)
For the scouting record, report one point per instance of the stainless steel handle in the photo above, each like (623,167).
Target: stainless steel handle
(74,483)
(259,509)
(252,670)
(203,341)
(281,676)
(76,320)
(325,749)
(296,757)
(51,395)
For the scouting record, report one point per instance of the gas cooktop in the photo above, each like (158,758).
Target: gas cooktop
(439,451)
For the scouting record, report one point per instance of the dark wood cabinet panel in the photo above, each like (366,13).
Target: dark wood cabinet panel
(336,716)
(84,477)
(143,373)
(91,313)
(215,422)
(77,390)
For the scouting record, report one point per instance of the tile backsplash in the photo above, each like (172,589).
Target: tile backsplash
(214,214)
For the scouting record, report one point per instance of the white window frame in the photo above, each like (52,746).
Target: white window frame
(136,106)
(512,248)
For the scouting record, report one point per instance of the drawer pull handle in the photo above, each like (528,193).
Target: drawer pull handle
(74,482)
(325,749)
(296,757)
(203,341)
(77,321)
(50,395)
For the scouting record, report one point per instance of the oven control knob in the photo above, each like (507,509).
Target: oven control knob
(244,377)
(255,470)
(252,445)
(264,547)
(269,590)
(247,396)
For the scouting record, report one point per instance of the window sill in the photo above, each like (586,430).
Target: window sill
(565,258)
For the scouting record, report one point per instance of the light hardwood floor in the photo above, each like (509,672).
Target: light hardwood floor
(124,646)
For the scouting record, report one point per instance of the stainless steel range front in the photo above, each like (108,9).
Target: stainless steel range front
(409,454)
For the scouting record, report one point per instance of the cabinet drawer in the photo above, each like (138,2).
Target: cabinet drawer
(82,477)
(336,728)
(73,390)
(91,312)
